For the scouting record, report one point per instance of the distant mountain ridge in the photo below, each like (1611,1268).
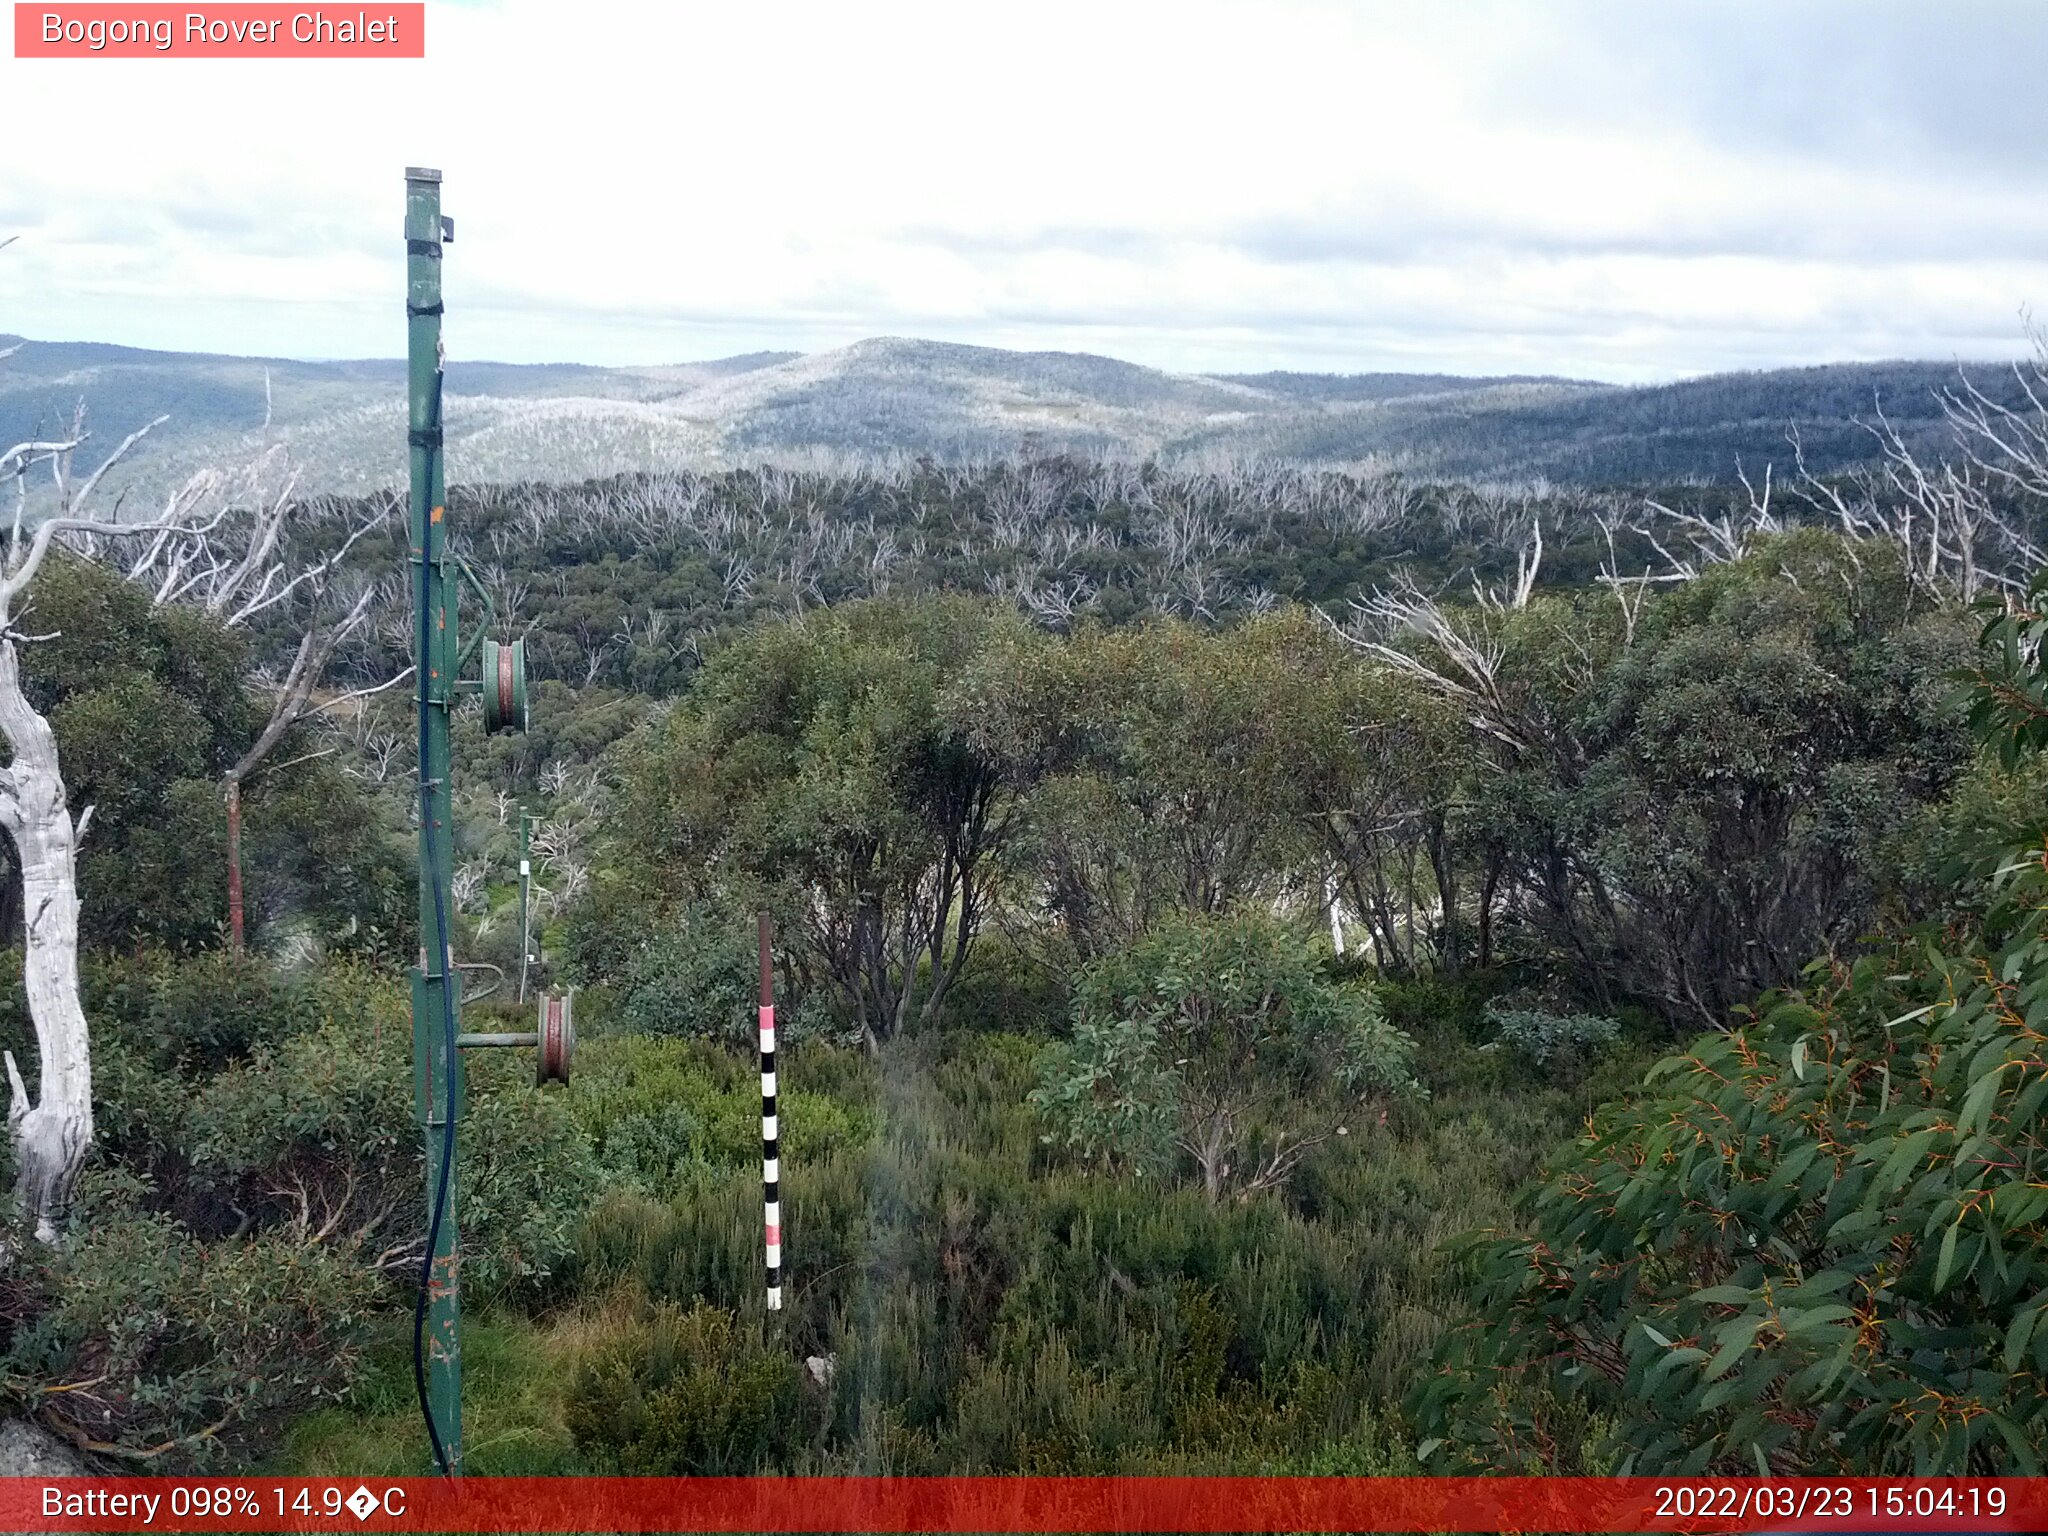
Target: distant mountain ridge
(342,421)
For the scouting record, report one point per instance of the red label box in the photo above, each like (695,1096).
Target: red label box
(376,30)
(954,1506)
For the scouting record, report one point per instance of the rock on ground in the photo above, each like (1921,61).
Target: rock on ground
(29,1450)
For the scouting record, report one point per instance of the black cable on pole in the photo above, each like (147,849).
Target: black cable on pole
(442,953)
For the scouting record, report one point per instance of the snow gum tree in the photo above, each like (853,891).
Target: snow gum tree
(51,1131)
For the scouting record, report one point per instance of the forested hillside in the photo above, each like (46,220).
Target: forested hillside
(1285,970)
(892,399)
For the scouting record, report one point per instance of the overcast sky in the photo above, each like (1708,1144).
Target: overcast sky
(1627,191)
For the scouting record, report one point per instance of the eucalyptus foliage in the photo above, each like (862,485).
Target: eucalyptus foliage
(829,770)
(1816,1242)
(1216,1042)
(151,706)
(1561,1043)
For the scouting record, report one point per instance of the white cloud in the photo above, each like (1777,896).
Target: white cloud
(1570,188)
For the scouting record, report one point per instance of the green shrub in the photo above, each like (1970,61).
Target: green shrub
(1001,988)
(255,1199)
(984,1304)
(696,976)
(1216,1043)
(655,1109)
(528,1178)
(143,1339)
(1564,1045)
(678,1392)
(989,1307)
(312,1134)
(837,771)
(1813,1244)
(1435,1009)
(177,1014)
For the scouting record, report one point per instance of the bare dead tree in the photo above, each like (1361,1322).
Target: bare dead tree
(1376,504)
(1959,522)
(1944,518)
(1631,592)
(1057,602)
(1462,656)
(737,582)
(466,885)
(377,751)
(1528,561)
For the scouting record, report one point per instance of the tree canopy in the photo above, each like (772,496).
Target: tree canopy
(1814,1242)
(151,705)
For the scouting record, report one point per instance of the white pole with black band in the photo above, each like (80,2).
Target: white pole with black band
(771,1160)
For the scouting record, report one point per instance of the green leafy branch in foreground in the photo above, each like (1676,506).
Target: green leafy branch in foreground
(1813,1243)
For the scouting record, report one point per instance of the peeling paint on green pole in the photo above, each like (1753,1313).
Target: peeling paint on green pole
(434,644)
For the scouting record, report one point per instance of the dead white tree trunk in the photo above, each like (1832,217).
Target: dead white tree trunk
(52,1131)
(50,1134)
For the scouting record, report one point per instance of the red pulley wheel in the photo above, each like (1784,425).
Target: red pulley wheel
(557,1039)
(504,686)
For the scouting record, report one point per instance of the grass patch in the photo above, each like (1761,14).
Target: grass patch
(512,1373)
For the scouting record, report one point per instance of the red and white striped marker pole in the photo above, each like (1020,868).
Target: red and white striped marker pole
(771,1160)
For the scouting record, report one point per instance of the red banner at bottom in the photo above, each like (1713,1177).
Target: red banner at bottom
(1002,1504)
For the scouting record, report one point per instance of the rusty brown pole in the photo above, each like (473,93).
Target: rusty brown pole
(234,799)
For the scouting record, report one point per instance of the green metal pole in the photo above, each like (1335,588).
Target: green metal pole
(525,884)
(435,1090)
